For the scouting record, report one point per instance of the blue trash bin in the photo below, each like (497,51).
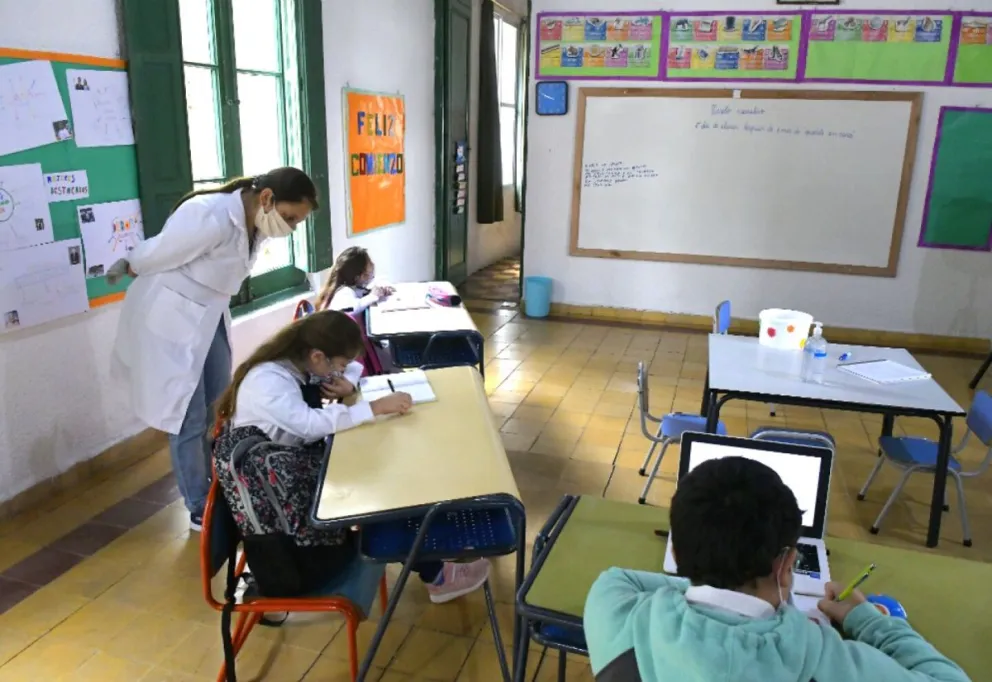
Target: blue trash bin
(537,296)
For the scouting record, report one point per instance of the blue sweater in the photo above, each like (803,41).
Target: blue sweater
(675,641)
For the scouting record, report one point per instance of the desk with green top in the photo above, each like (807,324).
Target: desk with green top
(944,597)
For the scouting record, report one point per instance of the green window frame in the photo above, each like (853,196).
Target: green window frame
(160,74)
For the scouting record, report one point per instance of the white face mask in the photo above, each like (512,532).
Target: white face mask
(272,224)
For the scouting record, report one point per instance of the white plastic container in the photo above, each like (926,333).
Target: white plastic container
(784,329)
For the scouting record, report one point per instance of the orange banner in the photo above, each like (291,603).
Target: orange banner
(375,163)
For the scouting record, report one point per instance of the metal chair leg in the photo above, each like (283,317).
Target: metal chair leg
(654,472)
(892,498)
(965,525)
(494,624)
(647,460)
(771,409)
(871,477)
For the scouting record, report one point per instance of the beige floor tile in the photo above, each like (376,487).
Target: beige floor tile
(47,660)
(106,668)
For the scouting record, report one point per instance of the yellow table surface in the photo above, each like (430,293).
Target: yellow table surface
(440,451)
(390,319)
(947,599)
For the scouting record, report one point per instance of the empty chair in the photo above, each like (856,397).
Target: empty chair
(721,325)
(670,429)
(912,455)
(777,434)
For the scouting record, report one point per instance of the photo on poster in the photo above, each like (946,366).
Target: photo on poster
(32,113)
(101,109)
(41,283)
(25,219)
(109,231)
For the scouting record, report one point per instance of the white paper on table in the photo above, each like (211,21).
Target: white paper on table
(40,284)
(24,216)
(67,185)
(109,233)
(809,606)
(101,110)
(32,113)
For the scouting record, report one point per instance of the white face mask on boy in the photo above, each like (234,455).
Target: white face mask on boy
(272,224)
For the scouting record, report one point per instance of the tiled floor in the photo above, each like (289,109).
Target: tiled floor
(497,282)
(103,583)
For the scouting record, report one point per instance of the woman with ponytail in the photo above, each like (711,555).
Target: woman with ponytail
(173,340)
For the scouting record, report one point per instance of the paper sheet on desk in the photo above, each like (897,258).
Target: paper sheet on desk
(808,605)
(415,383)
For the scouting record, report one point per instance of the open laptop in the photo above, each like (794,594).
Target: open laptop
(805,469)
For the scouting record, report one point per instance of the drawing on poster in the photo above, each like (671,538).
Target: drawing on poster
(109,232)
(24,216)
(100,107)
(31,110)
(41,283)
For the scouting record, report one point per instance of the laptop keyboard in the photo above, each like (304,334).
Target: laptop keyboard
(809,560)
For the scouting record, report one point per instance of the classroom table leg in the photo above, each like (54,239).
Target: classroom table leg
(706,395)
(521,639)
(520,652)
(981,372)
(888,424)
(946,424)
(712,412)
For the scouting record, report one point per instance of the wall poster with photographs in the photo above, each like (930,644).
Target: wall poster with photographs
(742,46)
(618,46)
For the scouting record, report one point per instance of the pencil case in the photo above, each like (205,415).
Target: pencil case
(441,297)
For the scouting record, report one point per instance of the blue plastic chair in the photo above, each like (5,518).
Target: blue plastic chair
(776,434)
(721,325)
(912,455)
(441,349)
(669,431)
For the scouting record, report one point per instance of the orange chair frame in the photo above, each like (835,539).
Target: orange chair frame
(249,614)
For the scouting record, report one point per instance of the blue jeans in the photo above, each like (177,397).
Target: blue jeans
(190,448)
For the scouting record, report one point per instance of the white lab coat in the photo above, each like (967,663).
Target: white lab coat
(187,275)
(270,399)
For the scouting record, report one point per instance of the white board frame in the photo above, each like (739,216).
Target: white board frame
(889,270)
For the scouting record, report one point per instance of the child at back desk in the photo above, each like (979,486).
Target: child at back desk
(267,399)
(350,285)
(734,528)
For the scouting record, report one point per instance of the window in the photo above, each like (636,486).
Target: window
(222,88)
(508,73)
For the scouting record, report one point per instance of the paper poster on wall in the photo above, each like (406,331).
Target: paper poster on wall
(101,110)
(67,185)
(31,110)
(973,61)
(619,45)
(40,284)
(109,232)
(375,129)
(958,209)
(24,216)
(733,46)
(878,47)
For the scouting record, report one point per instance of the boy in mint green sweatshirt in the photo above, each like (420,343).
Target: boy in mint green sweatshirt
(735,526)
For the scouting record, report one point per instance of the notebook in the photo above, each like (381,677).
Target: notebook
(884,371)
(414,382)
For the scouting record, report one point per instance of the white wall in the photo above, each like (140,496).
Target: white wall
(935,292)
(59,406)
(488,243)
(385,46)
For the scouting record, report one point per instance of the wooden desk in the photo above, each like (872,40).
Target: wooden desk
(407,312)
(946,598)
(445,450)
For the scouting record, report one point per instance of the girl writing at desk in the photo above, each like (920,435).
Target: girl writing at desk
(267,401)
(350,285)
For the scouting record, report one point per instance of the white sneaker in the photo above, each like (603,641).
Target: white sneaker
(457,580)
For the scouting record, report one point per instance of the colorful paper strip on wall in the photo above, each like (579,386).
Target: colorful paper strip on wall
(958,209)
(973,62)
(733,47)
(375,128)
(878,48)
(599,46)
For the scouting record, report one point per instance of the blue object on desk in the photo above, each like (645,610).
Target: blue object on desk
(845,356)
(887,605)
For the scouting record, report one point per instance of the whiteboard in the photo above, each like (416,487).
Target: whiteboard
(765,178)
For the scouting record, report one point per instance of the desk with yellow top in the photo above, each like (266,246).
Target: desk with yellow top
(434,484)
(947,600)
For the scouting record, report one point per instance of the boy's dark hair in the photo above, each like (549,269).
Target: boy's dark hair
(730,519)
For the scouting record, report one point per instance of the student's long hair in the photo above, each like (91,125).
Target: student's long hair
(287,184)
(331,332)
(348,269)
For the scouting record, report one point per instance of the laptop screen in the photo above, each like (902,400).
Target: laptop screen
(805,470)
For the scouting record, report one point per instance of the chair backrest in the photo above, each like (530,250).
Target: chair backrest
(303,308)
(721,318)
(643,399)
(371,358)
(218,539)
(980,417)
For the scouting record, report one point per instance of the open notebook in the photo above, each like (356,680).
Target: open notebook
(884,371)
(414,382)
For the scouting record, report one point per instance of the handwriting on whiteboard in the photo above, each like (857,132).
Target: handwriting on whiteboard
(748,120)
(610,173)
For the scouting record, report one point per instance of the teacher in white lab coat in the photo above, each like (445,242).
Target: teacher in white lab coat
(173,342)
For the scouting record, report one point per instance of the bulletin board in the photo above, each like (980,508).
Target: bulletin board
(617,45)
(958,209)
(972,59)
(112,171)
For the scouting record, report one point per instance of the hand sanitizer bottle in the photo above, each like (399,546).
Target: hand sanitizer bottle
(815,356)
